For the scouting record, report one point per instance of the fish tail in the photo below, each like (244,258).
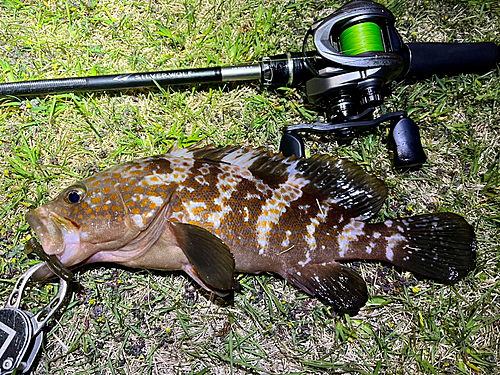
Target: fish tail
(439,246)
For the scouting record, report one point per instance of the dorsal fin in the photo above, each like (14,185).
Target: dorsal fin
(349,185)
(325,177)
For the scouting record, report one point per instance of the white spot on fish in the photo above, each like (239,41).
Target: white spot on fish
(376,234)
(351,232)
(156,200)
(285,242)
(138,220)
(392,242)
(201,180)
(388,223)
(308,259)
(295,177)
(370,248)
(249,196)
(311,229)
(272,210)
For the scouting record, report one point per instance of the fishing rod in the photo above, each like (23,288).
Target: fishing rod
(357,53)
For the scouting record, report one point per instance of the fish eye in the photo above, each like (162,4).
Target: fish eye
(75,195)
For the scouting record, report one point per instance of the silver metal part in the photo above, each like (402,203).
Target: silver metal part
(267,72)
(44,314)
(33,350)
(241,73)
(290,68)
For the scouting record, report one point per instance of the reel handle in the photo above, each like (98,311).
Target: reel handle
(404,137)
(408,150)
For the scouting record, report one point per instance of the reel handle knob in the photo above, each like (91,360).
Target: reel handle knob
(408,150)
(292,144)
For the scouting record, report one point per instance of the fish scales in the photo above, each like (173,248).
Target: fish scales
(210,211)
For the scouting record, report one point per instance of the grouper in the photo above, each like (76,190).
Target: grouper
(214,211)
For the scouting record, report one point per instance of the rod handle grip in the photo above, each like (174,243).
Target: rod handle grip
(426,59)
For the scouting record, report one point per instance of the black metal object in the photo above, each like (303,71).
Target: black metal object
(21,331)
(404,134)
(408,151)
(15,336)
(292,144)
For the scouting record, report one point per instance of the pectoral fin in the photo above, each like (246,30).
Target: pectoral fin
(337,285)
(211,263)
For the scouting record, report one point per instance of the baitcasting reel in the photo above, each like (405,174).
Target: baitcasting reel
(361,53)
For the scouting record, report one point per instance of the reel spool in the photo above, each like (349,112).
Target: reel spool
(360,38)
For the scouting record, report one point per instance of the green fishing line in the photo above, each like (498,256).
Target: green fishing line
(362,37)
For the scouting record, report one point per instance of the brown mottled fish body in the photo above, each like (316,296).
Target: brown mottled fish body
(197,209)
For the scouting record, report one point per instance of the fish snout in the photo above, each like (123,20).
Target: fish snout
(46,226)
(38,219)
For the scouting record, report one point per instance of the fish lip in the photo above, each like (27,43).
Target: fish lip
(32,218)
(55,238)
(36,220)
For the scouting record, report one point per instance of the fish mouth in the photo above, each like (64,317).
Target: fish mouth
(58,236)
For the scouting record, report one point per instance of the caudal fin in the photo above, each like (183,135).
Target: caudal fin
(440,246)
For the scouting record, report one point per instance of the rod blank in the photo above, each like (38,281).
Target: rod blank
(132,80)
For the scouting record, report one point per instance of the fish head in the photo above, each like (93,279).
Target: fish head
(93,219)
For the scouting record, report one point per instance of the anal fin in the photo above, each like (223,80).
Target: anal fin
(336,284)
(211,263)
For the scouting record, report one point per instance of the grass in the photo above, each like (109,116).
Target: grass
(124,321)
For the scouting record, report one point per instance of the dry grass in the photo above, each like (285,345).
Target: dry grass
(128,322)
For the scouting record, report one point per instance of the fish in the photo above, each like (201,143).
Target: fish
(214,211)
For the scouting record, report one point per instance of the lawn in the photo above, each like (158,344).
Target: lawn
(124,321)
